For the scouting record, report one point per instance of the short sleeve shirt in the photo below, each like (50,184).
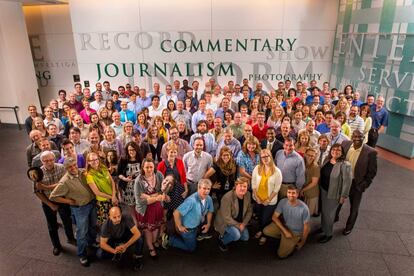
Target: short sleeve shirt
(295,216)
(117,231)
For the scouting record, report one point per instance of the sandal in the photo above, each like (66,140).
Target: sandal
(262,241)
(258,235)
(153,254)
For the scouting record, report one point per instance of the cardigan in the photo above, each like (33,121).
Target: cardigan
(139,189)
(162,168)
(340,179)
(273,183)
(229,209)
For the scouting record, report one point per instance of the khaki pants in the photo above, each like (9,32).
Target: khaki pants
(286,245)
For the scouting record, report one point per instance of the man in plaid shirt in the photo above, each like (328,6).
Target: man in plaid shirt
(52,173)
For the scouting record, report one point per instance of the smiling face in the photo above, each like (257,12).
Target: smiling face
(357,139)
(204,191)
(336,152)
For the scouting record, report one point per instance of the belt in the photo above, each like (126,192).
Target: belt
(289,183)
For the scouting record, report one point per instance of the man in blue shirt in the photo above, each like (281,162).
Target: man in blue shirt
(295,228)
(126,114)
(326,126)
(379,121)
(292,166)
(189,216)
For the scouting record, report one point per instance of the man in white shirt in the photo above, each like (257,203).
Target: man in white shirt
(167,96)
(217,96)
(155,109)
(182,114)
(209,103)
(98,103)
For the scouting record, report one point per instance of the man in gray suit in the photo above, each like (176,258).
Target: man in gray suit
(363,160)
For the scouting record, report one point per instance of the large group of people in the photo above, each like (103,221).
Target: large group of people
(131,168)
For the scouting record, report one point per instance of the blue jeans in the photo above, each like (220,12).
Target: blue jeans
(232,233)
(186,241)
(85,217)
(137,248)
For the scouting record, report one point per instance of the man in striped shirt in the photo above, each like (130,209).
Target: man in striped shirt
(355,122)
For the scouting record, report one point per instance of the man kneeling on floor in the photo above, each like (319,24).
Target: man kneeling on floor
(295,229)
(118,234)
(192,213)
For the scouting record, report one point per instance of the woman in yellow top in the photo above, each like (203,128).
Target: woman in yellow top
(266,182)
(102,185)
(345,128)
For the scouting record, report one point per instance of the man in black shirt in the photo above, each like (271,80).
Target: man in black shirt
(117,235)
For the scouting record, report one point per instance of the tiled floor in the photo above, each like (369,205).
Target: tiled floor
(382,243)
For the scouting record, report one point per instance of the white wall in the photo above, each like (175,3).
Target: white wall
(54,57)
(17,74)
(311,22)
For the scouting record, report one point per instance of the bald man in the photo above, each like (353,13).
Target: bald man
(118,234)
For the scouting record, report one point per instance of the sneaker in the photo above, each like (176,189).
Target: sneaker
(138,265)
(222,246)
(204,236)
(57,250)
(84,261)
(164,241)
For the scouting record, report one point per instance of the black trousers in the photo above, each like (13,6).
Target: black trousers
(52,225)
(355,198)
(372,137)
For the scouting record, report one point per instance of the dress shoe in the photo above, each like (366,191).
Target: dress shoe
(346,232)
(324,239)
(56,251)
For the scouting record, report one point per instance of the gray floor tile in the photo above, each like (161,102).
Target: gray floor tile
(400,265)
(377,241)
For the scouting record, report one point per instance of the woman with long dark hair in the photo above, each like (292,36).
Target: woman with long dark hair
(128,170)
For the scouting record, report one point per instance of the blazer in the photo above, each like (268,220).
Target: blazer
(365,167)
(340,179)
(277,145)
(229,209)
(273,184)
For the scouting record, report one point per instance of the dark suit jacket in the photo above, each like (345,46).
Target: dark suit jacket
(365,167)
(277,145)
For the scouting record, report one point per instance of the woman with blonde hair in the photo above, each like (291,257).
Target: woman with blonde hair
(102,185)
(126,135)
(365,113)
(266,182)
(105,117)
(275,119)
(303,143)
(39,125)
(310,190)
(110,142)
(342,105)
(167,119)
(162,130)
(155,142)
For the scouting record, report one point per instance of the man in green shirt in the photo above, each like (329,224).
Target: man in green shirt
(72,189)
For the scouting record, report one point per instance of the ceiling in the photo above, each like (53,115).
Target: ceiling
(39,2)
